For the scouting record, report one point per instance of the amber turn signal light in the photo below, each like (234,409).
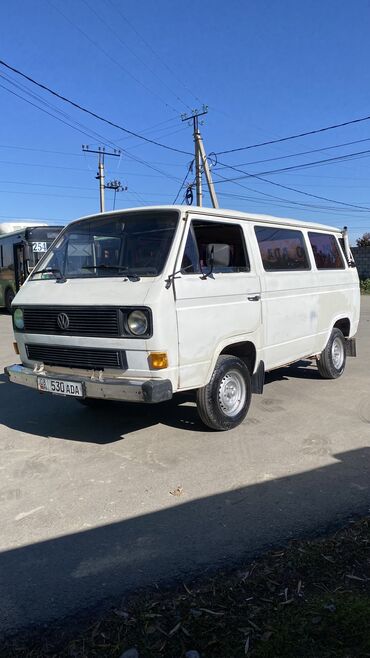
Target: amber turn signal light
(16,348)
(158,360)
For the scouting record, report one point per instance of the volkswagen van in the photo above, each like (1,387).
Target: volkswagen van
(140,304)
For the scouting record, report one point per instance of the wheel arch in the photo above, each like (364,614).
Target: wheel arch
(244,349)
(344,324)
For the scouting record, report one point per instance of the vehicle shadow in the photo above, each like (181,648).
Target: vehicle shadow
(64,575)
(27,410)
(303,369)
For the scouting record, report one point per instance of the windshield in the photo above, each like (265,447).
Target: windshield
(132,244)
(39,240)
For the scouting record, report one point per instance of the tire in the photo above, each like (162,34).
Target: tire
(224,402)
(332,359)
(9,296)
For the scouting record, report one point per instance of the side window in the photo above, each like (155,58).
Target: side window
(326,251)
(282,249)
(217,242)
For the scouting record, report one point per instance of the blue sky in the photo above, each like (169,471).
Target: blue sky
(266,69)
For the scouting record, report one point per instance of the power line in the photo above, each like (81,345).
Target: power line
(45,111)
(112,59)
(110,29)
(295,155)
(102,139)
(66,187)
(152,128)
(36,219)
(165,134)
(47,194)
(79,127)
(296,136)
(183,182)
(265,194)
(12,147)
(54,109)
(303,165)
(293,189)
(294,205)
(90,112)
(117,8)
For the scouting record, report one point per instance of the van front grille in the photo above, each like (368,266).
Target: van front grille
(77,357)
(81,321)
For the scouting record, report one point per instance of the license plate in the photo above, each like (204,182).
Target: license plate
(60,387)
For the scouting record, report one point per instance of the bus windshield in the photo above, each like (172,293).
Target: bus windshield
(39,239)
(133,244)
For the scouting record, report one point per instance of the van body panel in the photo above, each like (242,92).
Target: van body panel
(213,312)
(285,315)
(116,292)
(290,317)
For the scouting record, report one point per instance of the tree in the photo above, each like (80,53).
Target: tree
(364,241)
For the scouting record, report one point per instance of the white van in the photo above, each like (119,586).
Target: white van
(139,304)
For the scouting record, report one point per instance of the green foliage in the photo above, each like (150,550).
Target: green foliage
(364,241)
(365,286)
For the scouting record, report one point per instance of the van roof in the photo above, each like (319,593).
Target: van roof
(222,212)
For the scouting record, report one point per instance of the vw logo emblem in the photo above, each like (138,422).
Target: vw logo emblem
(63,321)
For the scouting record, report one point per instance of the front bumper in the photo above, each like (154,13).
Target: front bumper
(128,390)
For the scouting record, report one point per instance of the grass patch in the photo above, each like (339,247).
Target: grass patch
(311,599)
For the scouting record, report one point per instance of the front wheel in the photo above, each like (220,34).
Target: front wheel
(332,359)
(224,402)
(9,296)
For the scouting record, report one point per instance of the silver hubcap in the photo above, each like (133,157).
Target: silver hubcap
(231,393)
(337,353)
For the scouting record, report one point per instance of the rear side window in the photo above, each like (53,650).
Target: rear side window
(282,249)
(326,251)
(214,242)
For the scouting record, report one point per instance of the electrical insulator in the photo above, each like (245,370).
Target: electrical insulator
(189,196)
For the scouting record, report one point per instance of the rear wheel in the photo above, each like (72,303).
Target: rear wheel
(224,402)
(9,296)
(332,359)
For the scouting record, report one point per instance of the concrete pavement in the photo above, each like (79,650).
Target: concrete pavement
(89,504)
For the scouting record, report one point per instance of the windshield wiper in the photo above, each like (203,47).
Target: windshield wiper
(130,275)
(103,266)
(52,270)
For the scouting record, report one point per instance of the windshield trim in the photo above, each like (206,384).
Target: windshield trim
(120,215)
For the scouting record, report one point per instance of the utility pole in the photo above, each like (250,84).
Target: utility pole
(100,175)
(117,186)
(200,158)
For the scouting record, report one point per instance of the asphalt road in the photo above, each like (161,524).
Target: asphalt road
(87,512)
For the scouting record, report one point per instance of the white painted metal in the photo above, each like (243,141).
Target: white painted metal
(194,319)
(212,313)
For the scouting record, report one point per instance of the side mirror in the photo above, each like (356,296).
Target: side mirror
(210,260)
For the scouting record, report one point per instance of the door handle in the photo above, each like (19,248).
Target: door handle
(254,298)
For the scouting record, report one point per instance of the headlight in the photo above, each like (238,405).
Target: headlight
(18,318)
(137,322)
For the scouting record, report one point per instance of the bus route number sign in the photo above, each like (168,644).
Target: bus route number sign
(39,247)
